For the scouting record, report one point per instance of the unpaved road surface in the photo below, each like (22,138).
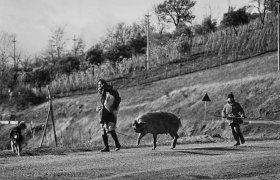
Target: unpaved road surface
(253,160)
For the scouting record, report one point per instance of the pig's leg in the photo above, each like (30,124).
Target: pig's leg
(139,138)
(174,142)
(155,141)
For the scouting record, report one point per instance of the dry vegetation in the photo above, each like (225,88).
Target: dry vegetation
(215,49)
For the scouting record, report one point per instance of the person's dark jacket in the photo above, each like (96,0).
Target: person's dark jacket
(233,112)
(108,114)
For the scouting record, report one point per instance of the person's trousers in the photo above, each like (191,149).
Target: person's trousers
(236,132)
(114,136)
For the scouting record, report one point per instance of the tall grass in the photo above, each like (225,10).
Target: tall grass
(247,41)
(225,45)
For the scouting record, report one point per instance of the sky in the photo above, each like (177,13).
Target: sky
(33,21)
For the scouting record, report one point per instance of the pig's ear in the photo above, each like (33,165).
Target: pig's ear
(135,122)
(141,121)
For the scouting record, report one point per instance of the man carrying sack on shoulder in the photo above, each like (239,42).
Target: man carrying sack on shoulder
(110,101)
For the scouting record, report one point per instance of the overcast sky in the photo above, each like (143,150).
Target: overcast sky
(33,20)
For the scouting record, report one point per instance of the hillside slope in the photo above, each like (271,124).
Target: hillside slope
(254,82)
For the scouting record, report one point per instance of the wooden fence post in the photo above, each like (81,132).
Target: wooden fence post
(89,133)
(80,134)
(52,116)
(61,138)
(32,129)
(50,113)
(180,66)
(45,128)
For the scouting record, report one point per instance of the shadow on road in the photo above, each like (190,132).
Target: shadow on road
(209,150)
(218,149)
(199,153)
(172,173)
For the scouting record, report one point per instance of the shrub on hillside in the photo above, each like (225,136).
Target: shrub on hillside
(235,18)
(23,97)
(3,98)
(37,78)
(138,45)
(67,65)
(182,29)
(184,44)
(94,55)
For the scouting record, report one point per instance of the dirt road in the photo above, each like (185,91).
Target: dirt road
(253,160)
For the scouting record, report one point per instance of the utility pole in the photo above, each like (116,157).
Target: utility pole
(148,40)
(75,53)
(228,5)
(14,41)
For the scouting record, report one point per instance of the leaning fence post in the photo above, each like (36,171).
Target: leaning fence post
(50,113)
(45,128)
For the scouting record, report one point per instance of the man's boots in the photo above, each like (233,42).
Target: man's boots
(235,135)
(115,137)
(241,137)
(105,141)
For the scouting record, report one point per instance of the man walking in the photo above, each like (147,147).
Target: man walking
(110,101)
(234,113)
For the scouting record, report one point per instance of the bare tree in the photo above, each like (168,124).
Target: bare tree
(26,63)
(118,34)
(161,26)
(79,46)
(138,28)
(57,42)
(123,33)
(263,7)
(6,48)
(5,58)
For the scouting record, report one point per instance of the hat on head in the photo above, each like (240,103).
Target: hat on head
(102,81)
(230,95)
